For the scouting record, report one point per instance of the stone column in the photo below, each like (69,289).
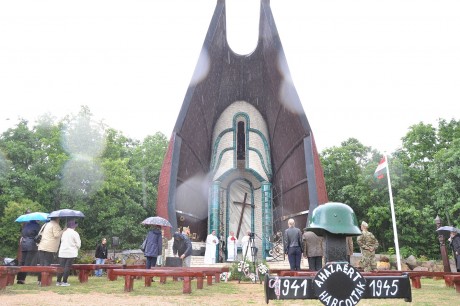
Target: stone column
(213,216)
(267,218)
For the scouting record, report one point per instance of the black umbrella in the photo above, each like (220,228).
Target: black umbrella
(445,230)
(66,213)
(156,221)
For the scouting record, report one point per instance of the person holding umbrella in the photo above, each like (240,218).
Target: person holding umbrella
(153,246)
(454,242)
(68,251)
(49,244)
(29,248)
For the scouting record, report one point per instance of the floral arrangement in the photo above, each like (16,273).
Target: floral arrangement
(262,269)
(225,276)
(243,267)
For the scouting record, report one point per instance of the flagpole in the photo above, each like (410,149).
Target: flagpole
(395,232)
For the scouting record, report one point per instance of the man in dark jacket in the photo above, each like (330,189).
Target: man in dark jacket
(28,247)
(454,242)
(182,246)
(293,245)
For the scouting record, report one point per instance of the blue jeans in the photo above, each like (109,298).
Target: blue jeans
(294,256)
(99,261)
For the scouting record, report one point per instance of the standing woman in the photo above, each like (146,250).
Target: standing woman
(455,244)
(293,245)
(153,246)
(29,248)
(68,251)
(49,245)
(101,256)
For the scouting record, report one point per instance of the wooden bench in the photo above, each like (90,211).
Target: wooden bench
(84,270)
(6,274)
(455,280)
(209,272)
(296,273)
(283,271)
(131,274)
(46,272)
(416,276)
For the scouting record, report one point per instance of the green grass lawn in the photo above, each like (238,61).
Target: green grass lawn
(433,292)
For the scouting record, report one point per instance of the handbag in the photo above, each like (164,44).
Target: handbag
(143,245)
(38,237)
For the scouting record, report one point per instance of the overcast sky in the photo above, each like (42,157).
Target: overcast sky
(365,69)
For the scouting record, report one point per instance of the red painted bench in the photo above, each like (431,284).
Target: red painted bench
(6,274)
(281,272)
(456,281)
(296,273)
(84,270)
(208,272)
(416,276)
(46,272)
(131,274)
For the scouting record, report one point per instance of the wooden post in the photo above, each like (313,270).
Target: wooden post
(187,288)
(442,247)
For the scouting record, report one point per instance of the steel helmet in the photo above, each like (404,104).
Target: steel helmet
(336,218)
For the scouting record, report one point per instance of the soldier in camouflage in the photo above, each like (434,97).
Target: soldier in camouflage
(368,245)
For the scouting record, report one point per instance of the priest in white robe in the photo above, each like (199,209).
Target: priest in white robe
(231,247)
(211,248)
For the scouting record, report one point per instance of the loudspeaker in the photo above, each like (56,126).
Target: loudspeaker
(115,241)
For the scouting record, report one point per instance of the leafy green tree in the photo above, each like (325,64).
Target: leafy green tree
(446,171)
(146,166)
(10,231)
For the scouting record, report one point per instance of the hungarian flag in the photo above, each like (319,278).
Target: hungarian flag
(381,168)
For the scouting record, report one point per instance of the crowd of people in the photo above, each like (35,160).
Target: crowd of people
(65,243)
(311,246)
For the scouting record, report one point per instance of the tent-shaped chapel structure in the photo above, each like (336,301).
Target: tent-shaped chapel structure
(242,155)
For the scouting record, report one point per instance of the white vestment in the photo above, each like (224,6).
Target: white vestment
(231,248)
(211,247)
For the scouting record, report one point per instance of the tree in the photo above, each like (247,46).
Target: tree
(10,231)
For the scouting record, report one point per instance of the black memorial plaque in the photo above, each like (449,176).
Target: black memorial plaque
(338,283)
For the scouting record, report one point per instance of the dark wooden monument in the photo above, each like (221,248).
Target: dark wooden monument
(241,136)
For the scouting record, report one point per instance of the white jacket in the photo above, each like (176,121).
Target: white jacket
(70,244)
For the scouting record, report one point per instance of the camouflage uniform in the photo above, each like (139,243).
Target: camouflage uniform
(368,245)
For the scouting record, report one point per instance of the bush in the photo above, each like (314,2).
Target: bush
(84,259)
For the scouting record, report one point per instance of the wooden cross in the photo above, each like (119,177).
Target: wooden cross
(242,212)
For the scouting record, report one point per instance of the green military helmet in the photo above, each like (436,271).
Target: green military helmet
(335,218)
